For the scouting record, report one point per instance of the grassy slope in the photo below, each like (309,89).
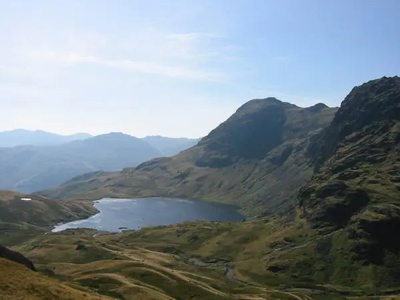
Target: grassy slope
(188,261)
(256,159)
(22,219)
(18,282)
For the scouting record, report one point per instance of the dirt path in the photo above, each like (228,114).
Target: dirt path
(127,282)
(147,261)
(153,260)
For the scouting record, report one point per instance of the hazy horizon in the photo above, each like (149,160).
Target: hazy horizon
(93,135)
(179,69)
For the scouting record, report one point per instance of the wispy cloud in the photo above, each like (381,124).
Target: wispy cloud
(165,70)
(148,67)
(185,56)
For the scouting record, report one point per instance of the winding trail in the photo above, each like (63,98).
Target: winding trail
(172,273)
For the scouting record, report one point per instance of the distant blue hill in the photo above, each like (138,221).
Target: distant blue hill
(37,160)
(22,137)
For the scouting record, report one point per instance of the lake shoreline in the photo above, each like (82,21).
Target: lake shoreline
(117,214)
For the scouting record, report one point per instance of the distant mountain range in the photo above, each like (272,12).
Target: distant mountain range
(22,137)
(51,159)
(249,160)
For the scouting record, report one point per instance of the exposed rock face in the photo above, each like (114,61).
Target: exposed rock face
(370,109)
(351,205)
(355,186)
(16,257)
(375,231)
(340,202)
(357,156)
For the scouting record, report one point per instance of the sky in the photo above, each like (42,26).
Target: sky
(179,68)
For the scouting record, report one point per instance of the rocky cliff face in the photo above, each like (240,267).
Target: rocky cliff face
(356,185)
(357,160)
(372,109)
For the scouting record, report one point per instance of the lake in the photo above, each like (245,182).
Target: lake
(118,214)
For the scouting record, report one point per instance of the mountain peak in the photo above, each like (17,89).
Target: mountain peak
(115,135)
(317,107)
(372,104)
(258,126)
(257,104)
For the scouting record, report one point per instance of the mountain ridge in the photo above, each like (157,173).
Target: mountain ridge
(265,138)
(351,203)
(30,168)
(23,137)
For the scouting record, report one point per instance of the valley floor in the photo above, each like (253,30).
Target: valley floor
(198,260)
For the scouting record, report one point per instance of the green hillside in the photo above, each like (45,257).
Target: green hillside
(21,219)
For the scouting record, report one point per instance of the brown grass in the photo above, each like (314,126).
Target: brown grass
(18,282)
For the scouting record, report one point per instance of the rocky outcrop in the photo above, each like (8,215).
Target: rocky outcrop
(16,257)
(374,232)
(354,192)
(349,223)
(372,108)
(356,157)
(332,203)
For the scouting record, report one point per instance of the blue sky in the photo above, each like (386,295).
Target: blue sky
(179,67)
